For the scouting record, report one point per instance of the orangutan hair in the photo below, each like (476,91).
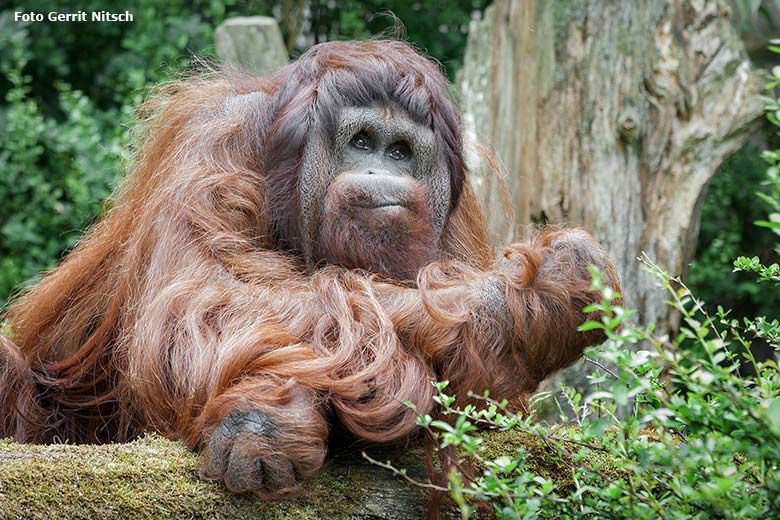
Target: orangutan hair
(259,279)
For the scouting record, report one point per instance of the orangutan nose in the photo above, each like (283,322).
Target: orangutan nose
(381,171)
(376,188)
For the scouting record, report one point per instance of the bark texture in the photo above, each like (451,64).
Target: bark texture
(610,115)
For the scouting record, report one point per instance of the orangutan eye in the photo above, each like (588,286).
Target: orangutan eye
(399,151)
(360,141)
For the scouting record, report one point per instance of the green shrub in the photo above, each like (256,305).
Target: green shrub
(699,440)
(53,174)
(66,114)
(686,427)
(727,231)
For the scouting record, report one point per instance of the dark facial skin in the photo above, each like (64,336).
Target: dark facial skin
(379,154)
(385,205)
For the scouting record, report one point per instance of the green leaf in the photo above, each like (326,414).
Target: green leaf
(773,414)
(591,325)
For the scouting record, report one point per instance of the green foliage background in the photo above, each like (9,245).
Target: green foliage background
(730,207)
(728,230)
(68,94)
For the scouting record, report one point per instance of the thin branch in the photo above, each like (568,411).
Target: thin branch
(601,366)
(396,471)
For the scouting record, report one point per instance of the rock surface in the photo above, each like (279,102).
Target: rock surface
(252,43)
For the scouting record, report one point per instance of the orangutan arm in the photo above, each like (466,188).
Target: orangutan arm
(379,345)
(288,356)
(507,329)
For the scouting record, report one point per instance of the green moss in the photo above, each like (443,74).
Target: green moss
(544,460)
(157,478)
(149,478)
(540,458)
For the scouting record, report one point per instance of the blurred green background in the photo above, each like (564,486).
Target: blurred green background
(68,92)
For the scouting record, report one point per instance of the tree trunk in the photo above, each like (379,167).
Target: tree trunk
(612,116)
(157,478)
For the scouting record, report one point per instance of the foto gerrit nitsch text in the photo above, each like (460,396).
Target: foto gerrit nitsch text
(78,16)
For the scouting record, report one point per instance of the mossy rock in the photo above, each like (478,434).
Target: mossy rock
(157,478)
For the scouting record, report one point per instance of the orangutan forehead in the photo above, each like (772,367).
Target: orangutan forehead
(385,121)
